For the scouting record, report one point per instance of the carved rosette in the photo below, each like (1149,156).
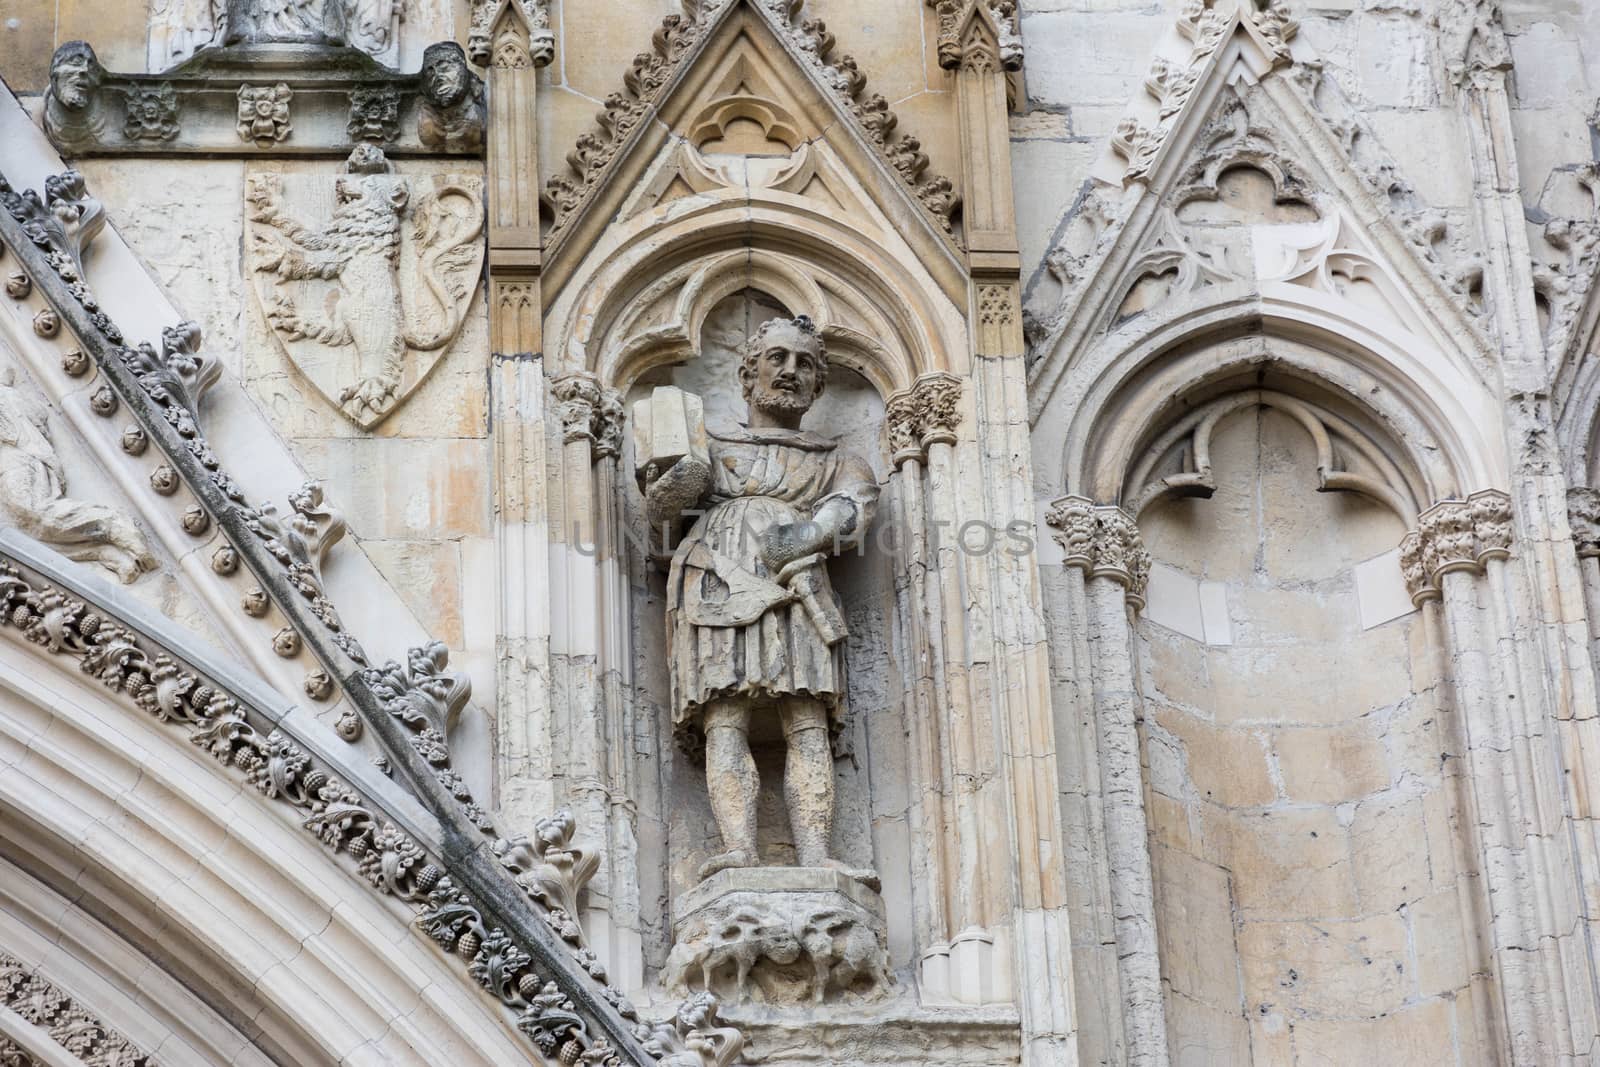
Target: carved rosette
(926,414)
(1455,535)
(1583,512)
(1103,541)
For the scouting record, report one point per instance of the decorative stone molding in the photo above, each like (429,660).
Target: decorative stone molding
(679,35)
(43,1004)
(470,909)
(536,48)
(927,413)
(1103,541)
(800,934)
(694,1037)
(257,746)
(247,98)
(1455,535)
(1205,24)
(1583,512)
(553,869)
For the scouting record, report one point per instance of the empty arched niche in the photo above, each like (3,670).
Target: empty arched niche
(678,833)
(1302,816)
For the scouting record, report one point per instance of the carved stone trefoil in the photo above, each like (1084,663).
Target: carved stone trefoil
(366,304)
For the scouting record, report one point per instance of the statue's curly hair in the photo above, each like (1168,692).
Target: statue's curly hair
(750,351)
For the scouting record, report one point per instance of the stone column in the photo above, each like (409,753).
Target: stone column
(1104,543)
(512,46)
(1526,779)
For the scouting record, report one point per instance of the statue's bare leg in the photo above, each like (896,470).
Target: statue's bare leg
(808,779)
(808,787)
(732,783)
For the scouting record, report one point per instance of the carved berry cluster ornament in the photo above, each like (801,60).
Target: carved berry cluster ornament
(1455,535)
(44,1005)
(1103,541)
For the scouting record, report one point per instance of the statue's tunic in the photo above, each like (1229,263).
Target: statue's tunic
(734,630)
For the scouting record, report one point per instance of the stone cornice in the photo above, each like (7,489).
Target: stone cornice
(1102,540)
(405,706)
(315,99)
(1455,535)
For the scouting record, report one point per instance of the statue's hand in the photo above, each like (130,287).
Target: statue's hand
(786,542)
(680,486)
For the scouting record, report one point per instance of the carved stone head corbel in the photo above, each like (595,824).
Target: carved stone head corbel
(453,114)
(72,113)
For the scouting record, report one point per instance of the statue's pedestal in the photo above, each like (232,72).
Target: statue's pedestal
(780,935)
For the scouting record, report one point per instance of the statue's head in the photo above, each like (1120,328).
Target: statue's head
(784,366)
(446,79)
(74,75)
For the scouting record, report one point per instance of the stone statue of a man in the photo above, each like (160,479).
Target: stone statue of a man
(753,624)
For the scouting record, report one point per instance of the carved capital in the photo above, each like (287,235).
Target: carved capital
(1583,512)
(589,411)
(1455,535)
(926,414)
(1103,541)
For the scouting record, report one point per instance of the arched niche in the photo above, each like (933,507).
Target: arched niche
(851,411)
(635,302)
(1304,831)
(1273,448)
(1085,436)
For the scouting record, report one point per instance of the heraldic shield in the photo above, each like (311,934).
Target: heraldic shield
(365,280)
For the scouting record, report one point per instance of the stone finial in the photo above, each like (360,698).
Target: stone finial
(1103,540)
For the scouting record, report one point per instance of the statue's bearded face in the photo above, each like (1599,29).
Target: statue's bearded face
(446,81)
(787,372)
(73,80)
